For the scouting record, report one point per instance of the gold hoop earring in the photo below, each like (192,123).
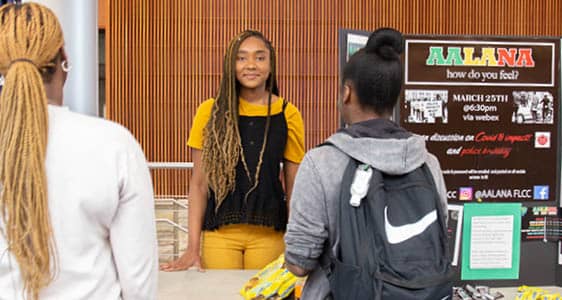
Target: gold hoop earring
(66,66)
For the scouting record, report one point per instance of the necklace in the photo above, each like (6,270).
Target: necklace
(254,182)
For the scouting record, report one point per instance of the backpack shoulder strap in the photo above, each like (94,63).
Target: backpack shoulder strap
(431,181)
(348,224)
(327,260)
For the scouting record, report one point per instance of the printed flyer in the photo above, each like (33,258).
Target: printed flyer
(539,222)
(488,108)
(491,243)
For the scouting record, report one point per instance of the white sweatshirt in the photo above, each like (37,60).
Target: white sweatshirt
(102,212)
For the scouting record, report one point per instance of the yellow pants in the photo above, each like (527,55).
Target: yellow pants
(241,246)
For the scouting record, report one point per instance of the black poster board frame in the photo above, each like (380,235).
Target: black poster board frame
(539,261)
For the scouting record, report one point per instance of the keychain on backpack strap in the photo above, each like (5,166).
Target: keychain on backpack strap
(360,185)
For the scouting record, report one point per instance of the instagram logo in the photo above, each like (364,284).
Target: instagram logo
(465,194)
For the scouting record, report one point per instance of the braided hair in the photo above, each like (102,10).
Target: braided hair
(30,43)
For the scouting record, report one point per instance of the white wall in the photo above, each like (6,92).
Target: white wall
(79,20)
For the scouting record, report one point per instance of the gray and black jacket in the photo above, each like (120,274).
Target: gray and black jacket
(312,225)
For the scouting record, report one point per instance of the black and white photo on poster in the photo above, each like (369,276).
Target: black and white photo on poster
(426,106)
(532,107)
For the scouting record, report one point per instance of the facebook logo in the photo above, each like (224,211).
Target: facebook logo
(540,192)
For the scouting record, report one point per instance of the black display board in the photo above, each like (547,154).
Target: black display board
(489,108)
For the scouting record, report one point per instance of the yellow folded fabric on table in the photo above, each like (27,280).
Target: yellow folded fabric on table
(533,293)
(271,283)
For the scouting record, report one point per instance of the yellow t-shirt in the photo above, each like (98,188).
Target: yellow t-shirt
(294,150)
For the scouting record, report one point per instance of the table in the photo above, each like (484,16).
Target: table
(208,285)
(226,284)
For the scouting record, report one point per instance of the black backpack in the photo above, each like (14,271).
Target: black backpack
(394,244)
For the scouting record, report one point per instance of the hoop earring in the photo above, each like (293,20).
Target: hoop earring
(66,67)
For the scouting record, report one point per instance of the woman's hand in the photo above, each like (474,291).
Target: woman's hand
(188,259)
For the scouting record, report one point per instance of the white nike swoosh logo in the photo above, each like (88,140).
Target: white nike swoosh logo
(445,298)
(398,234)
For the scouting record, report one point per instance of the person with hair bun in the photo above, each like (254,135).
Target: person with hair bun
(371,84)
(237,206)
(76,202)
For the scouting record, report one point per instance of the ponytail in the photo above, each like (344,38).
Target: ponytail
(30,40)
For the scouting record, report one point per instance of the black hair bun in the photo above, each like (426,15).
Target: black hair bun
(388,43)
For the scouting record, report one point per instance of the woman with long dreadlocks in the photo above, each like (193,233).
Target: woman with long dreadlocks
(238,141)
(76,204)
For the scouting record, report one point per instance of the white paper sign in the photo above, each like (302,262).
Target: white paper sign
(491,242)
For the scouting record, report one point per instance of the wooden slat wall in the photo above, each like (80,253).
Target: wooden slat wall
(164,57)
(102,13)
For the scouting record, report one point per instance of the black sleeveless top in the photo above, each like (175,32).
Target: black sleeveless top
(266,203)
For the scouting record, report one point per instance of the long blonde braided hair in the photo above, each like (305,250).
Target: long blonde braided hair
(222,147)
(30,42)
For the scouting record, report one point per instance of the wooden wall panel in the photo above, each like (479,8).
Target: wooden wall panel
(102,13)
(164,57)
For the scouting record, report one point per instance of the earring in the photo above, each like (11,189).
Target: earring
(66,67)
